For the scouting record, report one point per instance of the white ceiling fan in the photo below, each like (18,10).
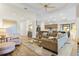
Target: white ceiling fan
(47,6)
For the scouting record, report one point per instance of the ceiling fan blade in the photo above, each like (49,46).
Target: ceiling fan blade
(51,7)
(25,8)
(47,5)
(44,4)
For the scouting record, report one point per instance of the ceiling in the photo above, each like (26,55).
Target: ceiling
(41,7)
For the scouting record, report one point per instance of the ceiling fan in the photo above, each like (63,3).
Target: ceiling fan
(47,6)
(25,8)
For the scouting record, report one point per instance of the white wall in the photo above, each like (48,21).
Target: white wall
(11,12)
(77,32)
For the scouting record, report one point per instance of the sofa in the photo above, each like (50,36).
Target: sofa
(16,40)
(50,44)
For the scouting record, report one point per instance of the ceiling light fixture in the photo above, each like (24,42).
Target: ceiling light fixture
(47,6)
(25,8)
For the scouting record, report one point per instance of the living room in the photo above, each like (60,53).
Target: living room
(37,30)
